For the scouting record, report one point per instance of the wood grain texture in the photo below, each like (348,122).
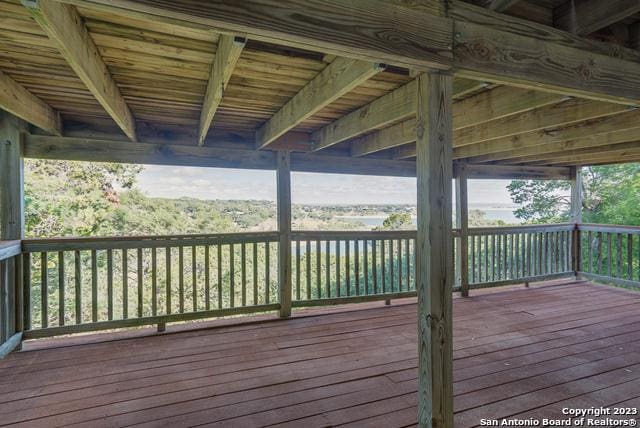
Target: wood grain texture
(283,186)
(227,55)
(17,100)
(409,36)
(462,224)
(434,267)
(337,79)
(64,26)
(587,16)
(510,172)
(11,177)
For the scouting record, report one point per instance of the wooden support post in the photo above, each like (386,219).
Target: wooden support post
(462,223)
(576,217)
(162,327)
(284,228)
(11,220)
(434,267)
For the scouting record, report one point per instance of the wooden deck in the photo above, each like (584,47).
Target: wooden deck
(527,352)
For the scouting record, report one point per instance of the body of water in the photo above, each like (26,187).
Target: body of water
(504,214)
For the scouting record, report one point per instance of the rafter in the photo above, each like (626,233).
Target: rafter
(227,55)
(337,79)
(17,100)
(65,28)
(490,105)
(502,5)
(584,17)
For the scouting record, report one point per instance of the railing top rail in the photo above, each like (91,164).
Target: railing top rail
(611,228)
(324,235)
(521,229)
(130,242)
(9,249)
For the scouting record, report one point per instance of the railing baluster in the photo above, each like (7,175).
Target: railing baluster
(255,273)
(357,266)
(125,284)
(347,267)
(407,244)
(590,250)
(243,264)
(338,290)
(619,254)
(94,286)
(383,270)
(181,279)
(44,290)
(472,243)
(207,276)
(109,284)
(297,270)
(308,265)
(599,253)
(374,265)
(167,255)
(391,272)
(78,285)
(140,281)
(61,290)
(26,301)
(609,254)
(327,267)
(318,269)
(194,278)
(219,272)
(154,281)
(629,256)
(267,258)
(400,264)
(365,256)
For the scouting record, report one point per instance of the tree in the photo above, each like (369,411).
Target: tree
(611,194)
(397,221)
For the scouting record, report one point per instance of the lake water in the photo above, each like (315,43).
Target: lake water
(504,214)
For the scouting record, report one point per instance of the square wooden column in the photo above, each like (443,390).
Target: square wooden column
(284,227)
(434,264)
(462,223)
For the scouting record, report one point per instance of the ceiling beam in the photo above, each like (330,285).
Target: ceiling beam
(499,48)
(509,172)
(622,127)
(502,5)
(628,150)
(393,107)
(497,103)
(227,54)
(583,17)
(337,79)
(17,100)
(65,28)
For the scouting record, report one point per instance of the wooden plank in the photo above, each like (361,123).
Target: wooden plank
(227,55)
(64,26)
(462,223)
(587,16)
(502,5)
(15,99)
(11,178)
(414,37)
(433,271)
(493,47)
(517,172)
(283,181)
(337,79)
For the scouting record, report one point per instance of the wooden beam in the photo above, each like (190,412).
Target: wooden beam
(65,28)
(576,195)
(600,149)
(583,17)
(497,103)
(227,55)
(508,172)
(97,150)
(502,49)
(283,181)
(11,178)
(557,137)
(502,5)
(434,267)
(337,79)
(18,101)
(414,37)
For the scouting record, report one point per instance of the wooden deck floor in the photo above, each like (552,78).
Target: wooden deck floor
(527,352)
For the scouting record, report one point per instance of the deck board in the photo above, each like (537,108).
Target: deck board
(527,352)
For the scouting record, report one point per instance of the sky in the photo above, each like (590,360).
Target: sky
(307,188)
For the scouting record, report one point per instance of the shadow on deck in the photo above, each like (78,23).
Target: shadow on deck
(526,352)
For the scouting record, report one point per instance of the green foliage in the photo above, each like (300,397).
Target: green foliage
(478,218)
(611,194)
(397,221)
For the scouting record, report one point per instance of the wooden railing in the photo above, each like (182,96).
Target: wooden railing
(610,253)
(508,255)
(10,296)
(102,283)
(341,267)
(60,286)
